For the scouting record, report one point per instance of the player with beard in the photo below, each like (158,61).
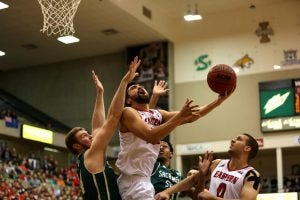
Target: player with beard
(97,179)
(162,176)
(141,130)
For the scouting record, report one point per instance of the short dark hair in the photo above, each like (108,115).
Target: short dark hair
(71,139)
(170,145)
(253,144)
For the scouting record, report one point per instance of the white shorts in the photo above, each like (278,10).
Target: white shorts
(135,188)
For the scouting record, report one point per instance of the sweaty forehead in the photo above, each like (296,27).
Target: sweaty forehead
(132,87)
(163,143)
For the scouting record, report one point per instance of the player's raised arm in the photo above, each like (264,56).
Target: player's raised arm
(137,126)
(204,110)
(159,89)
(118,101)
(179,187)
(104,134)
(99,110)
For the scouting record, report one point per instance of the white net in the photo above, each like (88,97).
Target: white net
(58,16)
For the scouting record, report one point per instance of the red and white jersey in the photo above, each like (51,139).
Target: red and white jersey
(225,183)
(137,157)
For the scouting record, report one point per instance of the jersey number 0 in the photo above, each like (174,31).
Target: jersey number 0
(221,190)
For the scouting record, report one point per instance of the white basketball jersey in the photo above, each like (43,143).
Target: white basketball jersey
(137,157)
(225,183)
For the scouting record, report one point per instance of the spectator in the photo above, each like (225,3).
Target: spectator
(3,114)
(14,156)
(15,120)
(297,184)
(33,162)
(19,181)
(44,163)
(265,185)
(274,185)
(6,155)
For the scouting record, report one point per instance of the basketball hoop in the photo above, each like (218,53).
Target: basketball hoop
(58,16)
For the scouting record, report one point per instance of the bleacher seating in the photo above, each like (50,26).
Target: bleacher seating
(30,177)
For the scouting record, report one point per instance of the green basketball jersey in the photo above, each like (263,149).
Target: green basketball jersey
(100,186)
(163,178)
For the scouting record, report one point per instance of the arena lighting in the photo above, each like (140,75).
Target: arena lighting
(68,39)
(36,134)
(2,53)
(190,16)
(3,5)
(276,67)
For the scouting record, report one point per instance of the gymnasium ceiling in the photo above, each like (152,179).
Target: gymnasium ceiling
(20,26)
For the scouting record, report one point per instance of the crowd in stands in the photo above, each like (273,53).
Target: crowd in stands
(10,117)
(290,184)
(30,177)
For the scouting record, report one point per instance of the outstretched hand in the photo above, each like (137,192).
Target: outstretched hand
(131,74)
(98,84)
(205,162)
(160,88)
(223,97)
(162,196)
(188,111)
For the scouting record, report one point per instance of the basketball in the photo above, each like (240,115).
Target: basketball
(221,78)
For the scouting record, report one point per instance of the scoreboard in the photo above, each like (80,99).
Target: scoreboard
(280,105)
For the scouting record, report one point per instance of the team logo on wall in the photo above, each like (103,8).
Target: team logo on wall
(244,62)
(290,57)
(202,62)
(264,31)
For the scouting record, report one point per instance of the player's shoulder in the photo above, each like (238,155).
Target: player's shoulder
(128,114)
(252,179)
(129,110)
(252,172)
(161,110)
(216,162)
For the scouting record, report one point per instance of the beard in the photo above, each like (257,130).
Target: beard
(142,99)
(84,146)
